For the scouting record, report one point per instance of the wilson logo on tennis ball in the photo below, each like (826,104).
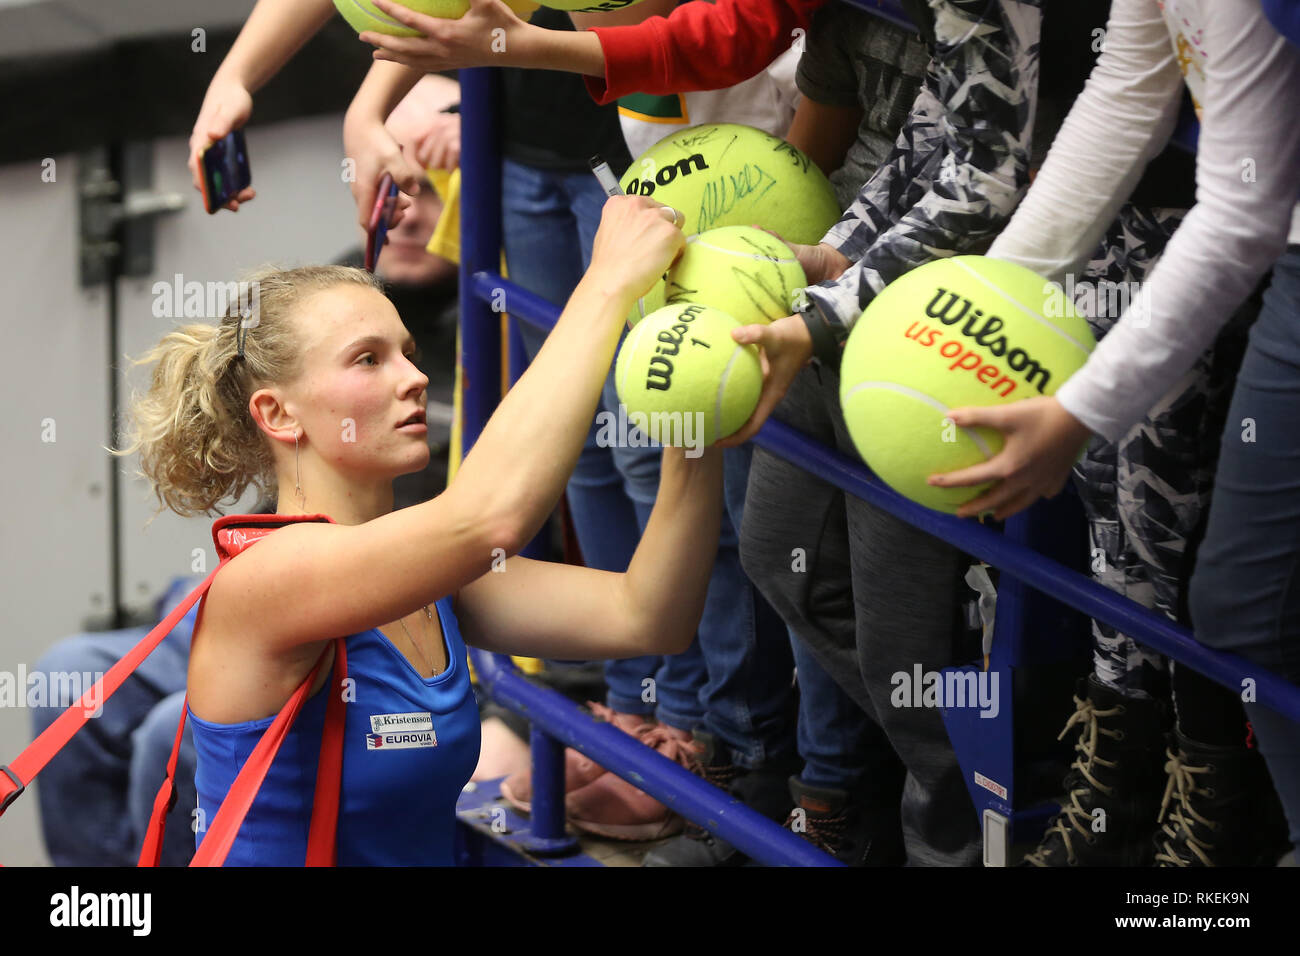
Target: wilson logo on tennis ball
(660,373)
(725,174)
(666,174)
(969,330)
(965,359)
(682,361)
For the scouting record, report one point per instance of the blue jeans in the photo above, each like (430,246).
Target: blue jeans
(746,698)
(836,737)
(97,794)
(1245,592)
(722,684)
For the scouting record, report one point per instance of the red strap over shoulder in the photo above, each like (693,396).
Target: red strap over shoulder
(325,810)
(151,850)
(16,776)
(321,841)
(232,534)
(225,827)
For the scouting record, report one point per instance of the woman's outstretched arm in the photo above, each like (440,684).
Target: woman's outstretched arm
(309,580)
(543,609)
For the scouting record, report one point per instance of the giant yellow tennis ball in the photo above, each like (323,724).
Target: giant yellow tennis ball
(963,331)
(724,174)
(364,15)
(745,272)
(654,300)
(683,379)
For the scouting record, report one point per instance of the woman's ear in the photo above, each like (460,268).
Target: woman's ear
(271,417)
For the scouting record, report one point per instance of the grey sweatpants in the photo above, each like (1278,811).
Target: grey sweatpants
(869,596)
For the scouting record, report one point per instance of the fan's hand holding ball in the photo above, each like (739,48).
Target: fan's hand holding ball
(363,15)
(490,33)
(388,18)
(785,347)
(1041,443)
(589,6)
(821,263)
(965,331)
(681,369)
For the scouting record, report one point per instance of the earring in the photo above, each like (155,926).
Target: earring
(302,498)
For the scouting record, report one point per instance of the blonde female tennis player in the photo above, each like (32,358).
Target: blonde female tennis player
(319,400)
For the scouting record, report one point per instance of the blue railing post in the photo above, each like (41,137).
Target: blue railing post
(480,249)
(547,834)
(480,253)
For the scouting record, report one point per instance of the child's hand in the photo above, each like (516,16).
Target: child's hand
(472,40)
(785,347)
(1042,442)
(375,152)
(226,108)
(637,241)
(820,263)
(439,145)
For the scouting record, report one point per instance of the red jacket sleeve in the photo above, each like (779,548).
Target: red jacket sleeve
(700,46)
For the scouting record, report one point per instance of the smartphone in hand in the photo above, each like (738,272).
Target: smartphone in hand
(381,217)
(225,170)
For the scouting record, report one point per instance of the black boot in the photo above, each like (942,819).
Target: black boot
(1219,808)
(763,790)
(1113,787)
(851,831)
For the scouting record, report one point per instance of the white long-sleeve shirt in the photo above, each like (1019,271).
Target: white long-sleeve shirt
(1245,81)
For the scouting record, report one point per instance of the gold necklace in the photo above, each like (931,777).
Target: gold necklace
(433,671)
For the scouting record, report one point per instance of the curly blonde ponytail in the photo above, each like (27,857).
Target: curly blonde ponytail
(198,443)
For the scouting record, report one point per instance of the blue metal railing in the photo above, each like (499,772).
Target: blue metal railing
(557,722)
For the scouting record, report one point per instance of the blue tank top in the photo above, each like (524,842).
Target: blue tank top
(410,744)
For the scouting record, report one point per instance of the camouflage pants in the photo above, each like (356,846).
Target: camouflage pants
(1147,494)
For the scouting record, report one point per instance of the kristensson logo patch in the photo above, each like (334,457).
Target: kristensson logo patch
(401,740)
(387,723)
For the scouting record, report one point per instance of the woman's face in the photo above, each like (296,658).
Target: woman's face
(359,384)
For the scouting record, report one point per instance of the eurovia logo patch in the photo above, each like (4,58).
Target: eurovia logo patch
(401,731)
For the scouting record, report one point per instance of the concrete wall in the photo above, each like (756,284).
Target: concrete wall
(55,531)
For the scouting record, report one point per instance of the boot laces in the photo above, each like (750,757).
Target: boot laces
(1073,816)
(721,776)
(824,831)
(610,716)
(684,752)
(1182,829)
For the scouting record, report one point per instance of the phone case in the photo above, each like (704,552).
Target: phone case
(380,218)
(225,171)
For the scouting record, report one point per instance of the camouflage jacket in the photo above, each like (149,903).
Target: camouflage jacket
(956,172)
